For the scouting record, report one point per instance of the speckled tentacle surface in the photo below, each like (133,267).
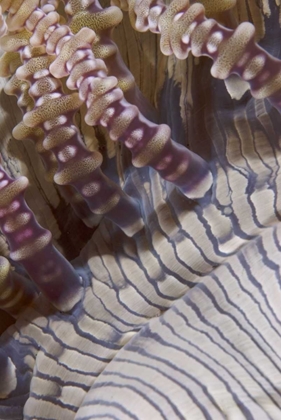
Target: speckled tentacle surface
(184,28)
(106,104)
(53,112)
(9,63)
(102,22)
(181,320)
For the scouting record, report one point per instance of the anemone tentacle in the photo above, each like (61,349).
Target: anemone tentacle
(16,293)
(184,28)
(51,272)
(149,143)
(102,22)
(181,320)
(76,166)
(9,63)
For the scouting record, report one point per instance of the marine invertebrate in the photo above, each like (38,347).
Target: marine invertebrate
(182,317)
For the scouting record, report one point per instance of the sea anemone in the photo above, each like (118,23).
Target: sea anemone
(140,266)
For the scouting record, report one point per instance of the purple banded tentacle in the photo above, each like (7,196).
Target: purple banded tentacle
(102,21)
(9,62)
(184,28)
(53,113)
(31,245)
(77,166)
(16,292)
(149,143)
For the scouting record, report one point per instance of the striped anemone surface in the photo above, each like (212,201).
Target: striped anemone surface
(183,319)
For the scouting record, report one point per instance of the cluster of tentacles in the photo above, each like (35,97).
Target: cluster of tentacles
(50,51)
(58,62)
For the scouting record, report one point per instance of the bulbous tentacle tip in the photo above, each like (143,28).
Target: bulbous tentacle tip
(8,382)
(133,228)
(199,187)
(127,215)
(197,179)
(16,292)
(55,277)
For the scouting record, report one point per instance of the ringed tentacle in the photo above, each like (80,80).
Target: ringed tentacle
(9,63)
(102,21)
(149,143)
(54,112)
(31,245)
(16,292)
(184,27)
